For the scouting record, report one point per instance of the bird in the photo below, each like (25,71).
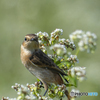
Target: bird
(39,64)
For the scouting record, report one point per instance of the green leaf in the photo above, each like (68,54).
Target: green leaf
(72,80)
(57,62)
(38,80)
(68,85)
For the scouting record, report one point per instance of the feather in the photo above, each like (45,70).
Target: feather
(40,59)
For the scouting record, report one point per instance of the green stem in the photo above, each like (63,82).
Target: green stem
(77,51)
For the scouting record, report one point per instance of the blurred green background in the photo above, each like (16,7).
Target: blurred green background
(21,17)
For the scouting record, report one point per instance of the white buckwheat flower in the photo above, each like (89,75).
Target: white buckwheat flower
(79,72)
(60,49)
(86,41)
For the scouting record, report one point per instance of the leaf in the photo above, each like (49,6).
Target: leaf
(57,62)
(72,80)
(68,85)
(38,80)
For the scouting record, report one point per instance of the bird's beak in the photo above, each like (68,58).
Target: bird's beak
(32,39)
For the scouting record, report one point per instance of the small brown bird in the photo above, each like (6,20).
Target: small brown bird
(39,64)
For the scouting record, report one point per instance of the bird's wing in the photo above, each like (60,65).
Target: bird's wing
(40,59)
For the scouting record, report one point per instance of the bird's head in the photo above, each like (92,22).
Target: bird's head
(31,42)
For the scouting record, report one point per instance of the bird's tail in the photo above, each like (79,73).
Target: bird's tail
(67,94)
(65,78)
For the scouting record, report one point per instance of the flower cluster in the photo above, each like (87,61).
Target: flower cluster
(55,35)
(28,92)
(79,72)
(57,91)
(32,92)
(59,49)
(43,38)
(72,59)
(41,35)
(54,41)
(86,40)
(67,43)
(67,61)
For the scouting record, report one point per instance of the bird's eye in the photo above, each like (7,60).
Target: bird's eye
(25,39)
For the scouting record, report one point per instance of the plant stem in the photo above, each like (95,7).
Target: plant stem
(77,51)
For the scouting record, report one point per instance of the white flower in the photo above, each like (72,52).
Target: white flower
(76,35)
(39,33)
(16,84)
(40,42)
(94,36)
(44,49)
(19,91)
(12,87)
(25,89)
(72,58)
(59,30)
(52,34)
(79,36)
(81,43)
(32,96)
(88,34)
(79,72)
(72,37)
(12,99)
(60,49)
(45,34)
(27,84)
(78,32)
(40,98)
(85,41)
(62,40)
(55,35)
(42,34)
(19,97)
(32,85)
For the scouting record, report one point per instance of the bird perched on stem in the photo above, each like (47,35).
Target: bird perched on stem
(39,64)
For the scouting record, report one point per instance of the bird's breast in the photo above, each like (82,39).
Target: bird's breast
(42,73)
(25,55)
